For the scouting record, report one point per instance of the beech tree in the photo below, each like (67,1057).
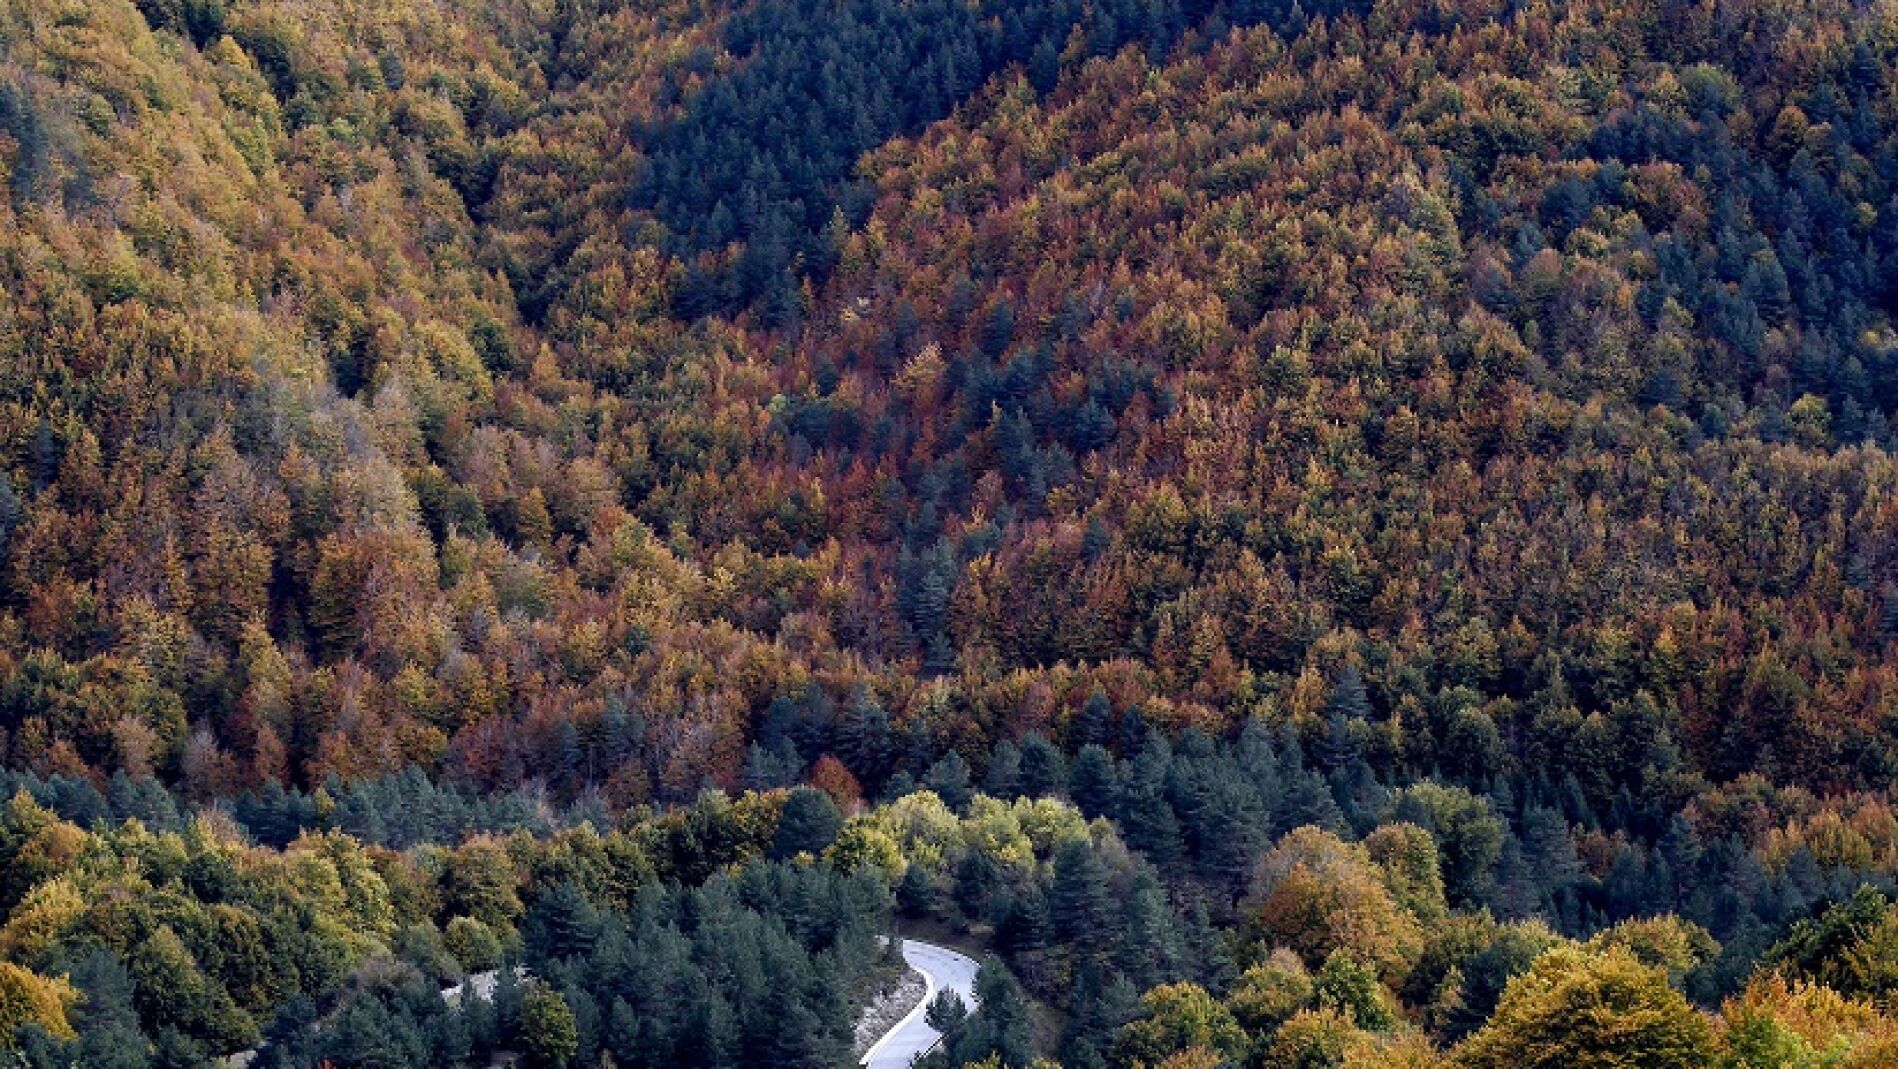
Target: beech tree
(1601,1008)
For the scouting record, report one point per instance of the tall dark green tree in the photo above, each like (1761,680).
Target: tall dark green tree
(1348,704)
(1093,782)
(561,924)
(1003,779)
(1080,899)
(949,779)
(809,823)
(1043,770)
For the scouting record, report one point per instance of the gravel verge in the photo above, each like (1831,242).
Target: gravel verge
(889,1007)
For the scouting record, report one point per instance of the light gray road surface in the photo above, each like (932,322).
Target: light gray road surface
(943,970)
(482,984)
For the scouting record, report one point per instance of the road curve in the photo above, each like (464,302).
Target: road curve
(943,970)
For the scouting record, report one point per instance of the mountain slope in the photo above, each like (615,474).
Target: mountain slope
(1536,361)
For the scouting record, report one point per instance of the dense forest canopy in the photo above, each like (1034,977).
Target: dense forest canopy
(1322,534)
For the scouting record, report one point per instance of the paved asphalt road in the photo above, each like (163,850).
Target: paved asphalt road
(944,970)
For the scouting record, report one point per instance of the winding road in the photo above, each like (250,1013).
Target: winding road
(943,970)
(909,1039)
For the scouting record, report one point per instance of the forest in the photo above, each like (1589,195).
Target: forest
(1348,535)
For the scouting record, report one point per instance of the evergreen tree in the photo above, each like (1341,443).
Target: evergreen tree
(1000,1025)
(11,511)
(1145,815)
(916,892)
(365,1032)
(1026,925)
(1093,783)
(1094,722)
(949,779)
(809,823)
(1347,705)
(1235,828)
(107,1020)
(978,881)
(767,768)
(1004,773)
(1150,825)
(901,785)
(1149,948)
(1548,850)
(561,924)
(1080,901)
(1210,950)
(1519,893)
(32,170)
(864,741)
(1043,772)
(173,1049)
(946,1012)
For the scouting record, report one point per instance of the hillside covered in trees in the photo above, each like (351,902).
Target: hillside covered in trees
(1319,535)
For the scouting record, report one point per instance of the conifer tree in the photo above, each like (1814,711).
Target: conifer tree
(1347,705)
(948,778)
(1080,901)
(809,823)
(1043,771)
(1093,782)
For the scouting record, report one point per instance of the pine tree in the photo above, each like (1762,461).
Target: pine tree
(773,767)
(1212,954)
(1149,948)
(561,924)
(864,740)
(1080,902)
(1150,825)
(625,1039)
(1348,704)
(1235,829)
(916,892)
(1043,772)
(32,168)
(1093,783)
(1308,800)
(1003,779)
(1548,850)
(978,880)
(1093,723)
(1887,611)
(364,1032)
(1000,1025)
(1680,846)
(949,779)
(809,823)
(1518,894)
(939,655)
(107,1020)
(172,1049)
(901,785)
(925,596)
(946,1013)
(11,511)
(1026,925)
